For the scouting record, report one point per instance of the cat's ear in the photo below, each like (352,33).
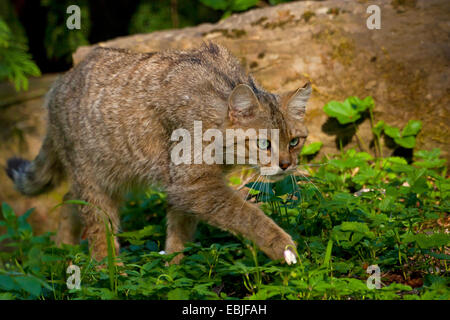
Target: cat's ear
(296,105)
(242,103)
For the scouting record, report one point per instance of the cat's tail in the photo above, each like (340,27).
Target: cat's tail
(38,176)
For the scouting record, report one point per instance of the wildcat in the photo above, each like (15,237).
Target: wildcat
(110,120)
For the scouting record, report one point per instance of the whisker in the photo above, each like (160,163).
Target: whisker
(247,181)
(302,172)
(263,192)
(245,199)
(293,186)
(313,164)
(311,183)
(266,187)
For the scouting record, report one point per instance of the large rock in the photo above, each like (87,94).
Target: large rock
(404,66)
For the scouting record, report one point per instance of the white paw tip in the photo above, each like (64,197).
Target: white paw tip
(289,256)
(162,252)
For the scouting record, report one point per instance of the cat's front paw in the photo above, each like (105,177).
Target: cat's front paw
(290,257)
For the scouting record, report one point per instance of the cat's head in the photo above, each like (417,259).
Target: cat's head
(252,108)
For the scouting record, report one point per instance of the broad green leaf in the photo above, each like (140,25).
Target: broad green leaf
(7,283)
(420,186)
(387,204)
(396,160)
(29,284)
(354,226)
(364,156)
(435,240)
(8,212)
(412,128)
(361,105)
(311,148)
(366,174)
(406,142)
(285,186)
(342,111)
(428,154)
(435,163)
(137,237)
(392,132)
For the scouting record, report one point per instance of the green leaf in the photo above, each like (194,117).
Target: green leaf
(284,186)
(178,294)
(361,105)
(7,296)
(136,237)
(80,202)
(429,155)
(327,258)
(435,163)
(406,142)
(343,112)
(412,128)
(364,156)
(430,158)
(392,132)
(8,212)
(7,283)
(242,5)
(440,256)
(366,174)
(378,128)
(264,187)
(29,284)
(420,186)
(216,4)
(396,160)
(311,148)
(235,180)
(354,226)
(435,240)
(387,204)
(15,62)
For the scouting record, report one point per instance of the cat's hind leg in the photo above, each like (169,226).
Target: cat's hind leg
(70,222)
(100,212)
(181,228)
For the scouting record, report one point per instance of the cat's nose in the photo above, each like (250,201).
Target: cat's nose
(284,164)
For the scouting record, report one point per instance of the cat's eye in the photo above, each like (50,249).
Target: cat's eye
(294,142)
(263,144)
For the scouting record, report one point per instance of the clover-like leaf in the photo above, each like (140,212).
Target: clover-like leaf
(406,142)
(392,132)
(361,105)
(311,148)
(412,128)
(342,111)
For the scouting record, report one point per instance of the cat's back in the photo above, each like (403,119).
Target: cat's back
(178,85)
(114,67)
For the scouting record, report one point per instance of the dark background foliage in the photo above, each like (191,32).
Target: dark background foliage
(42,22)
